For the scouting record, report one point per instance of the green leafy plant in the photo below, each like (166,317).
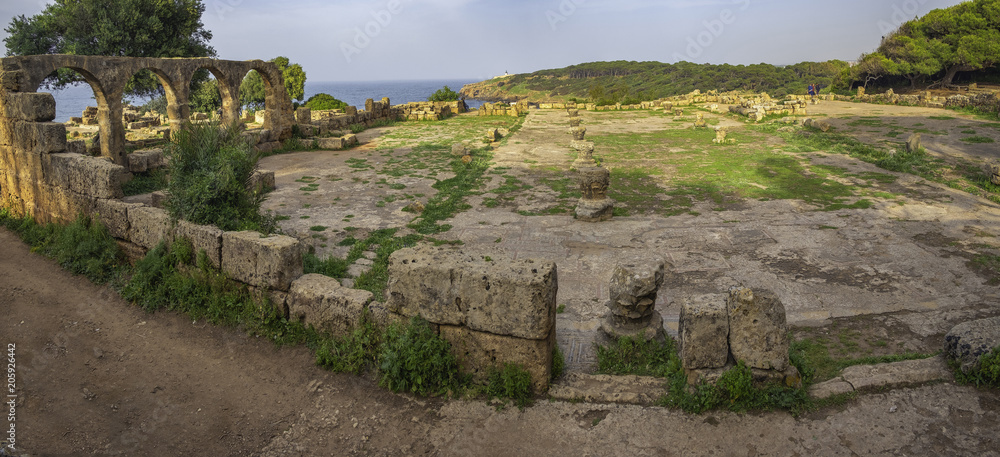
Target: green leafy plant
(415,359)
(986,374)
(444,94)
(510,382)
(323,101)
(83,247)
(210,179)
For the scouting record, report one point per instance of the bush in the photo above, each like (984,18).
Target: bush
(83,247)
(512,382)
(445,94)
(988,373)
(210,179)
(323,101)
(415,359)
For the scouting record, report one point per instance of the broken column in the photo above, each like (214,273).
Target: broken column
(747,325)
(700,121)
(579,133)
(585,154)
(632,305)
(594,205)
(720,136)
(574,122)
(994,172)
(913,143)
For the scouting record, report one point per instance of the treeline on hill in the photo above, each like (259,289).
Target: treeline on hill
(934,49)
(632,82)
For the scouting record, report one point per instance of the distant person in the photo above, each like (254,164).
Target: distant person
(812,90)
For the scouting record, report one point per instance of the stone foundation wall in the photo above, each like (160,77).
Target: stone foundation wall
(492,311)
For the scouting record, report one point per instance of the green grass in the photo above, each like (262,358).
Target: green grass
(509,382)
(735,390)
(979,139)
(987,374)
(823,365)
(144,183)
(84,247)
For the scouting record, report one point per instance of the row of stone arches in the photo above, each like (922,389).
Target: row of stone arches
(108,76)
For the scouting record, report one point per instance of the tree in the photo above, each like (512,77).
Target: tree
(132,28)
(253,94)
(445,94)
(323,101)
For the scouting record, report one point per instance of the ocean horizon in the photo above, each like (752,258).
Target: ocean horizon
(72,100)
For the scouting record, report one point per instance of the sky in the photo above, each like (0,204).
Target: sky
(356,40)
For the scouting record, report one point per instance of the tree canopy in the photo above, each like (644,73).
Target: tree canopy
(323,101)
(132,28)
(444,94)
(964,37)
(252,92)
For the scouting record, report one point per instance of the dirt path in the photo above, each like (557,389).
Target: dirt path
(97,376)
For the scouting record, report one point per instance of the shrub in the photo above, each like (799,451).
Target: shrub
(444,94)
(415,359)
(988,373)
(323,101)
(210,179)
(512,382)
(83,247)
(558,362)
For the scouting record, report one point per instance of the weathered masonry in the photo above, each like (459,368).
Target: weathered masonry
(21,76)
(37,174)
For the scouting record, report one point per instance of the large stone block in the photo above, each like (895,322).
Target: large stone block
(969,341)
(704,332)
(89,176)
(40,137)
(477,352)
(272,262)
(758,331)
(28,106)
(330,143)
(148,226)
(114,215)
(145,160)
(320,301)
(206,238)
(495,295)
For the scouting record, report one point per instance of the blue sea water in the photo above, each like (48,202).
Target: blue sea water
(71,101)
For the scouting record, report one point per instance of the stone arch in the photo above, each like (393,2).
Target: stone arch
(277,103)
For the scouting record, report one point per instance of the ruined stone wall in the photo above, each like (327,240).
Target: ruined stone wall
(322,122)
(491,310)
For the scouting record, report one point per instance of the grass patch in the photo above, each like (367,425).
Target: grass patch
(987,374)
(979,139)
(84,247)
(822,365)
(510,382)
(147,182)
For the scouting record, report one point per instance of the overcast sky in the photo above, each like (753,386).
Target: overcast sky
(355,40)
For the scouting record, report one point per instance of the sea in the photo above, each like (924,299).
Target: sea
(72,100)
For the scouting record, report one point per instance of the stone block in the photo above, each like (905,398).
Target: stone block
(259,116)
(303,116)
(459,150)
(206,238)
(272,262)
(262,181)
(909,372)
(351,140)
(114,215)
(158,199)
(913,143)
(76,146)
(758,331)
(595,210)
(28,106)
(495,295)
(148,226)
(145,160)
(836,386)
(320,301)
(967,342)
(703,332)
(39,137)
(89,176)
(477,352)
(330,143)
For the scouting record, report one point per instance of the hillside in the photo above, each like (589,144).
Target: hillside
(631,82)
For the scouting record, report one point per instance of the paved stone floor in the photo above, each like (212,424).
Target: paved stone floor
(898,255)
